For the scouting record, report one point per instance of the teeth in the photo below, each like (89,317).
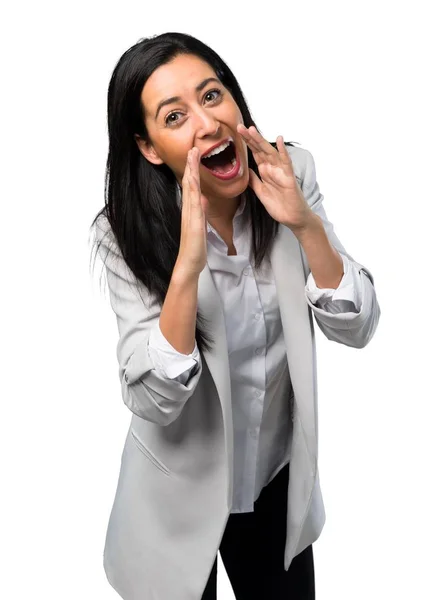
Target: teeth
(217,150)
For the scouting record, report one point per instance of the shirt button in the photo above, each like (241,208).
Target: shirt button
(246,271)
(258,350)
(257,316)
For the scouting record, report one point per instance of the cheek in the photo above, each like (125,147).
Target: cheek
(179,166)
(174,157)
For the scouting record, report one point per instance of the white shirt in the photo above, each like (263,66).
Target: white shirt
(257,356)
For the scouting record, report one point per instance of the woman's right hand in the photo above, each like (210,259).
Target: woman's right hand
(192,256)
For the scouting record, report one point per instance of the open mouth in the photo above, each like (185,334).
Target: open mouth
(223,163)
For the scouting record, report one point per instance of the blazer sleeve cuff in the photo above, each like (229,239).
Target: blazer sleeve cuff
(166,359)
(348,290)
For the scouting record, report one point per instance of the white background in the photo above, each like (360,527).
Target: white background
(345,80)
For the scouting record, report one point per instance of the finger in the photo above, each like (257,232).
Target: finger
(189,163)
(204,204)
(261,148)
(186,170)
(194,178)
(195,188)
(189,158)
(260,156)
(284,156)
(189,168)
(189,184)
(244,132)
(194,163)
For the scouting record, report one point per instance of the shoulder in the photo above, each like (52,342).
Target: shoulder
(108,248)
(102,229)
(104,235)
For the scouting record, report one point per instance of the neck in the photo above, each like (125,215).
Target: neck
(221,211)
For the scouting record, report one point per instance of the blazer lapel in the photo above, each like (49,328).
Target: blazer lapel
(298,330)
(217,361)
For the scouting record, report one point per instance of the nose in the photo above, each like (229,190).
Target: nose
(206,123)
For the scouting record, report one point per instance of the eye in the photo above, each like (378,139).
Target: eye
(215,90)
(170,123)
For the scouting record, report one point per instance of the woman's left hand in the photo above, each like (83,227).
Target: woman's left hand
(278,191)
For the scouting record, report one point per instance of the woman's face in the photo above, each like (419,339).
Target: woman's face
(202,117)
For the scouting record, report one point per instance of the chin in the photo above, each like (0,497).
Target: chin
(239,186)
(245,184)
(245,180)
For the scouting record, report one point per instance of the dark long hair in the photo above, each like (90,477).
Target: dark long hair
(140,197)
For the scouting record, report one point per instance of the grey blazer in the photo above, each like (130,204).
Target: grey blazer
(174,491)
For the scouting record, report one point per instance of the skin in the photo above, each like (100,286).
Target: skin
(201,119)
(206,119)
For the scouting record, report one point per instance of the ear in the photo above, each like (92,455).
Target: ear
(148,150)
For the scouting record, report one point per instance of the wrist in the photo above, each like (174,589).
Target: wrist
(312,225)
(183,275)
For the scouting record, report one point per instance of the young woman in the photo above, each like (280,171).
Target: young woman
(218,254)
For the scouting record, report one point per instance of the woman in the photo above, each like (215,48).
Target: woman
(216,263)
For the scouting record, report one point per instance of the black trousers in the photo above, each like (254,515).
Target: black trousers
(252,551)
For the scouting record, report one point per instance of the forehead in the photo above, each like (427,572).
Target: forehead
(176,78)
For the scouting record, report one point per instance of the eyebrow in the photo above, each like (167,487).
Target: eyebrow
(199,87)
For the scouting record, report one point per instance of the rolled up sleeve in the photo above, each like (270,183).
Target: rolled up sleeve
(168,361)
(347,297)
(146,390)
(350,314)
